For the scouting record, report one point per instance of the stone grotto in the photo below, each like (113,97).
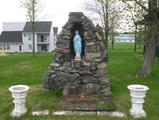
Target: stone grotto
(79,81)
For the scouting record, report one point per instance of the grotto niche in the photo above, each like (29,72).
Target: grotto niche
(80,82)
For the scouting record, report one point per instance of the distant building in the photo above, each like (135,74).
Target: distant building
(17,37)
(125,38)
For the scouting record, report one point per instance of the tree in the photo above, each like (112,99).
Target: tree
(139,9)
(114,17)
(152,32)
(32,7)
(107,12)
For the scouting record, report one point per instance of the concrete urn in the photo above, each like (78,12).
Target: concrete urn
(137,93)
(19,93)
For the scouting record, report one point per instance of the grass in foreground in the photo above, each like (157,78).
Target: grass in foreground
(123,64)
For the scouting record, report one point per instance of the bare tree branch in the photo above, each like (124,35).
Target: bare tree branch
(139,3)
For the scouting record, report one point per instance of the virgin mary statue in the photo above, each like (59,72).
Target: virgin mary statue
(77,45)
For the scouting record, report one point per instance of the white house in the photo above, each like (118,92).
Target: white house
(11,41)
(17,37)
(11,36)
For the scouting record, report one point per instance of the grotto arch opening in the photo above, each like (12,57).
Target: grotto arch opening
(77,27)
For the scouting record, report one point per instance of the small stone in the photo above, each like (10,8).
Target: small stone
(91,88)
(77,64)
(91,48)
(51,71)
(73,71)
(112,114)
(61,68)
(85,72)
(98,60)
(67,64)
(93,68)
(87,79)
(84,113)
(87,64)
(40,112)
(118,114)
(53,76)
(73,77)
(66,90)
(67,112)
(59,113)
(90,43)
(90,55)
(102,66)
(54,65)
(103,113)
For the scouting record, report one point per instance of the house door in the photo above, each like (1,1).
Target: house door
(20,48)
(44,48)
(42,38)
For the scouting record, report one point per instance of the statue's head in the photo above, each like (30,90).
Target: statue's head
(76,32)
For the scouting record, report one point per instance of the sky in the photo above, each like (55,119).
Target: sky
(56,11)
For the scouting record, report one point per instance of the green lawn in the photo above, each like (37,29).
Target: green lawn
(123,64)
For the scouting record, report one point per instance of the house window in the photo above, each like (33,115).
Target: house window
(8,47)
(30,47)
(0,46)
(20,48)
(45,38)
(4,47)
(42,38)
(29,36)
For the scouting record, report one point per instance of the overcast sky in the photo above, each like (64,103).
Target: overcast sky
(57,10)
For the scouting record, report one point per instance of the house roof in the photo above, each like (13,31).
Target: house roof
(44,26)
(13,26)
(11,36)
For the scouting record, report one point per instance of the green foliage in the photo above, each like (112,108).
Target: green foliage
(23,69)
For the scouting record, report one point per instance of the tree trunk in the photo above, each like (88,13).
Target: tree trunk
(33,26)
(148,59)
(106,33)
(106,39)
(113,41)
(34,40)
(106,27)
(149,53)
(151,42)
(112,38)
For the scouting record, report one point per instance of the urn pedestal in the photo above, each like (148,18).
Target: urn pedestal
(19,93)
(137,93)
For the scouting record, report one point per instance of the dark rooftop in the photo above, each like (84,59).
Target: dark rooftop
(11,36)
(44,26)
